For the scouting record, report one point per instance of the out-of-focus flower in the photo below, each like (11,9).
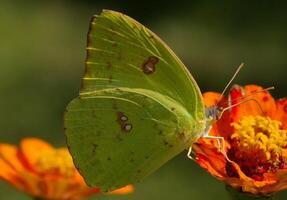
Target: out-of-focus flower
(45,172)
(255,135)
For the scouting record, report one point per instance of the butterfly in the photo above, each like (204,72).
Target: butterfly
(138,106)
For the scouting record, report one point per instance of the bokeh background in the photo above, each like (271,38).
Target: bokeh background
(42,53)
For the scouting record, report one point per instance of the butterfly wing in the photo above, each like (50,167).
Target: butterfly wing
(123,53)
(138,106)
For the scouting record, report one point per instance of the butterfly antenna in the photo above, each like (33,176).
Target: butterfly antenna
(232,78)
(245,97)
(244,100)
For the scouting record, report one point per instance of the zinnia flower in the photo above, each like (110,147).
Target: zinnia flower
(255,135)
(45,172)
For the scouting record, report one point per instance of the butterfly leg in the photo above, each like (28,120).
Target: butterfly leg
(221,144)
(190,154)
(219,139)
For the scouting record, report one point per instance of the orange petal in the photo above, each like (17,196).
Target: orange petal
(33,183)
(31,149)
(281,112)
(247,184)
(211,98)
(280,184)
(261,103)
(83,192)
(222,127)
(9,153)
(12,169)
(10,175)
(124,190)
(210,159)
(215,164)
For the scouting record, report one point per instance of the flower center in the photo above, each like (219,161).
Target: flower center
(258,145)
(56,161)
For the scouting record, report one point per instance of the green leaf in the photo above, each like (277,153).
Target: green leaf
(138,106)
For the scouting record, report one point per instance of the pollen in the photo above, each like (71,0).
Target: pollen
(258,145)
(261,133)
(57,161)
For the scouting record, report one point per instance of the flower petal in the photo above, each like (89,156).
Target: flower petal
(12,169)
(281,112)
(32,148)
(124,190)
(10,175)
(280,184)
(210,159)
(9,153)
(211,98)
(261,103)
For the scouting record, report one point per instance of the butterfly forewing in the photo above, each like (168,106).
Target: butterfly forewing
(123,53)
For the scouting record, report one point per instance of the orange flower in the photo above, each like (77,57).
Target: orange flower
(45,172)
(255,135)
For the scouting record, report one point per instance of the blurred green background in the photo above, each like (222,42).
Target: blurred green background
(42,53)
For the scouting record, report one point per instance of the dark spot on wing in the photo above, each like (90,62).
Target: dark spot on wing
(132,160)
(95,146)
(114,44)
(181,135)
(109,65)
(165,142)
(122,119)
(109,158)
(148,66)
(160,132)
(127,127)
(110,78)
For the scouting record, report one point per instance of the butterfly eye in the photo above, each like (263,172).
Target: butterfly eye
(219,112)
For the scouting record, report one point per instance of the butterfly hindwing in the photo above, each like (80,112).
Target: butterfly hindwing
(118,136)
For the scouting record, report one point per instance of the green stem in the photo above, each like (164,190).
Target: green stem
(237,195)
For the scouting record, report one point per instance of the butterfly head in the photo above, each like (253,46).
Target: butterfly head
(213,113)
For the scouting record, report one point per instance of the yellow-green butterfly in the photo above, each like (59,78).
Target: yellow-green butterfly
(138,106)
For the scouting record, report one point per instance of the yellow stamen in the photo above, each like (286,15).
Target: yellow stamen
(262,133)
(56,160)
